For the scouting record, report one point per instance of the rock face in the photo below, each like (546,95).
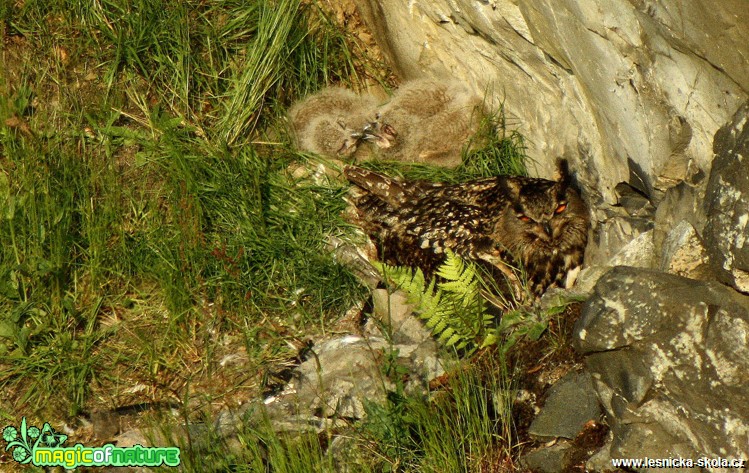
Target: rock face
(629,90)
(570,405)
(727,202)
(670,361)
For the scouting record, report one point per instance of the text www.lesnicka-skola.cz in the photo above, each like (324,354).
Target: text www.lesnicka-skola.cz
(678,462)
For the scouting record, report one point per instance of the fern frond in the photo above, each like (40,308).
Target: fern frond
(453,267)
(454,309)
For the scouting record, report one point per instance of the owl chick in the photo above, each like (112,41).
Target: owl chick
(334,121)
(429,121)
(500,221)
(422,98)
(447,134)
(333,136)
(331,100)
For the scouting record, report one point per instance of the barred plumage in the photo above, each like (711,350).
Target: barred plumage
(538,223)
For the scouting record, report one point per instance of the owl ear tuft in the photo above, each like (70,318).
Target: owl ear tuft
(563,172)
(513,188)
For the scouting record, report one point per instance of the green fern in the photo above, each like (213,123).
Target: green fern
(453,308)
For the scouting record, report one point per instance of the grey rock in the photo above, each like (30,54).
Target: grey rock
(356,260)
(571,403)
(344,373)
(638,252)
(670,361)
(588,278)
(647,83)
(131,438)
(634,202)
(106,424)
(394,318)
(651,440)
(340,376)
(601,460)
(727,203)
(683,253)
(613,238)
(682,202)
(551,459)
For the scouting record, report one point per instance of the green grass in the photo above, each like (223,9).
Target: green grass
(135,207)
(150,224)
(255,448)
(466,425)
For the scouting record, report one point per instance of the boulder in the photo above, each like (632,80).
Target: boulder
(682,202)
(670,361)
(683,252)
(727,203)
(571,404)
(343,373)
(620,238)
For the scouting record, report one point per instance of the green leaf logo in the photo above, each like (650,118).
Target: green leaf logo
(23,440)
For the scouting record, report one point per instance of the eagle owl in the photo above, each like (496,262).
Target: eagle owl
(334,122)
(429,121)
(500,221)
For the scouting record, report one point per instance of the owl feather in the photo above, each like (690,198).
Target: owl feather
(502,222)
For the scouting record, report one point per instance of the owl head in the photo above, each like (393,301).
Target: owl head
(541,212)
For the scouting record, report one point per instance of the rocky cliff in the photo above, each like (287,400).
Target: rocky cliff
(648,100)
(630,90)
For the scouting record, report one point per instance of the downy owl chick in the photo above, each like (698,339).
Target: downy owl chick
(429,121)
(442,142)
(331,100)
(499,221)
(333,121)
(422,98)
(335,136)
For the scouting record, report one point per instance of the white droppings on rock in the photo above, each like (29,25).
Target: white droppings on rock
(660,363)
(725,364)
(741,231)
(739,125)
(686,344)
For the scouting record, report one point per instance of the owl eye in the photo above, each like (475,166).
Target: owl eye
(560,209)
(524,218)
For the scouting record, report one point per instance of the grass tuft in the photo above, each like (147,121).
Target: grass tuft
(465,426)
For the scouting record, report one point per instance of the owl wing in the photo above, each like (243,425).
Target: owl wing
(419,233)
(389,190)
(487,193)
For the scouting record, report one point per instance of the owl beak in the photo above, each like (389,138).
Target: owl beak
(368,134)
(547,228)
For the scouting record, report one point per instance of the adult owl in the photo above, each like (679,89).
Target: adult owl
(539,224)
